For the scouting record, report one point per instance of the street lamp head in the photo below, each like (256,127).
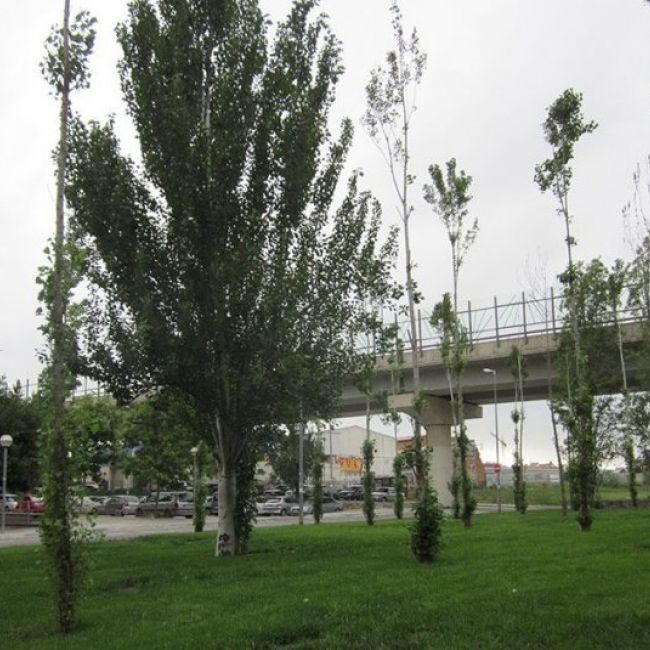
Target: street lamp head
(194,451)
(6,440)
(490,370)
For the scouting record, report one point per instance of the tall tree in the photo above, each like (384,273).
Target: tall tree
(519,373)
(449,196)
(219,269)
(563,127)
(390,108)
(65,69)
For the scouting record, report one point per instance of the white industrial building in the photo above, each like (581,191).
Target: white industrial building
(344,462)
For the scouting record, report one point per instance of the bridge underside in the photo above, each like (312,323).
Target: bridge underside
(478,389)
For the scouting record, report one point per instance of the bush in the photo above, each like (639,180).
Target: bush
(426,531)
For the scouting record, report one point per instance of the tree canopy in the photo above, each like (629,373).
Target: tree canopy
(218,265)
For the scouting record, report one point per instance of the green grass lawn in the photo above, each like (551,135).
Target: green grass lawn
(511,582)
(549,495)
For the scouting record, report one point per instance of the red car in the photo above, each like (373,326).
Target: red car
(30,504)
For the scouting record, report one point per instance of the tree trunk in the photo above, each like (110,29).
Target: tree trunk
(57,531)
(226,538)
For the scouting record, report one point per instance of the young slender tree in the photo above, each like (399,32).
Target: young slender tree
(519,373)
(616,283)
(449,196)
(318,458)
(390,108)
(65,69)
(368,453)
(563,127)
(589,439)
(221,269)
(400,485)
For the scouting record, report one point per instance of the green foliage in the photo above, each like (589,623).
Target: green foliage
(368,453)
(223,269)
(519,373)
(563,127)
(591,421)
(65,69)
(449,198)
(246,501)
(455,347)
(94,429)
(21,419)
(426,530)
(201,460)
(82,40)
(160,431)
(400,485)
(318,458)
(64,537)
(284,456)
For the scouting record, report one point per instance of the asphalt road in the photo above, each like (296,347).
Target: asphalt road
(131,526)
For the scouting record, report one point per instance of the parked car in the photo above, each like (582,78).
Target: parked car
(116,504)
(99,504)
(212,504)
(131,508)
(353,493)
(275,506)
(329,505)
(84,506)
(384,494)
(161,504)
(10,503)
(28,503)
(185,506)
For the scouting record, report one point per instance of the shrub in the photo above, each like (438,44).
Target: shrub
(426,530)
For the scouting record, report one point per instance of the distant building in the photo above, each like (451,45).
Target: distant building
(344,461)
(533,473)
(474,464)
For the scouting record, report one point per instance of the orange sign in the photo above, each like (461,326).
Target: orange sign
(350,464)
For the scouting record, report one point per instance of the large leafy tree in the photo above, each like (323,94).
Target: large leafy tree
(21,419)
(217,267)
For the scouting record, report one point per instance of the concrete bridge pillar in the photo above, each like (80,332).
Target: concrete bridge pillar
(437,419)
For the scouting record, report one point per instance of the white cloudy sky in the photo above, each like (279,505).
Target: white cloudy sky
(493,69)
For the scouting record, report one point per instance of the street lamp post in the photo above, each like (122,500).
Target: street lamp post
(5,443)
(493,372)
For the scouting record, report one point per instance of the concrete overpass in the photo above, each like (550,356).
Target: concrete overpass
(538,340)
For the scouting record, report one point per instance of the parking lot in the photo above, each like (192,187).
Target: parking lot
(129,527)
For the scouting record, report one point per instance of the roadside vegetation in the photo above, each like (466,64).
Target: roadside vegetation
(551,495)
(352,586)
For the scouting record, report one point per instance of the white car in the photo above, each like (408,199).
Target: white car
(384,494)
(11,501)
(275,506)
(329,505)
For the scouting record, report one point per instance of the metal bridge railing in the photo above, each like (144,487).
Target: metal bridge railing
(521,317)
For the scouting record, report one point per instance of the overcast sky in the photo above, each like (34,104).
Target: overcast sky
(494,67)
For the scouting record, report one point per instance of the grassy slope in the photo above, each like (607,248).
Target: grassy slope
(511,582)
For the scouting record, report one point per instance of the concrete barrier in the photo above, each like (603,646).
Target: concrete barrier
(22,518)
